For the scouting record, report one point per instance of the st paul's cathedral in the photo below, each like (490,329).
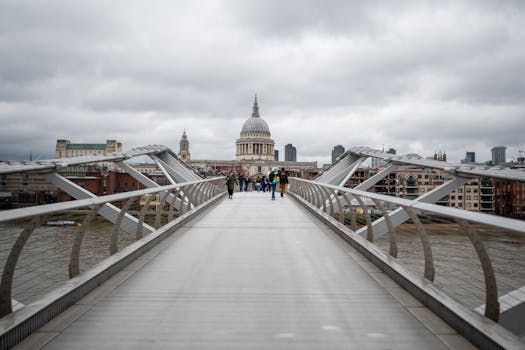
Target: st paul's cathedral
(254,152)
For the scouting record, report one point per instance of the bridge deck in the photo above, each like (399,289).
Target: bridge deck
(249,274)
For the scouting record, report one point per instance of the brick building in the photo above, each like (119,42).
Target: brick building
(509,198)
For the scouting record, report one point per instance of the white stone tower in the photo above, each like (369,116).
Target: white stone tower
(184,151)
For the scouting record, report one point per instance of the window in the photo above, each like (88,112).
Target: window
(468,198)
(452,197)
(476,198)
(460,190)
(460,205)
(452,204)
(422,190)
(475,205)
(468,205)
(460,198)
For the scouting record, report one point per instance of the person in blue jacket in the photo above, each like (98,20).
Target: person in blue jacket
(241,182)
(263,183)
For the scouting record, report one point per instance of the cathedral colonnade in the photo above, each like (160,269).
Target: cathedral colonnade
(255,148)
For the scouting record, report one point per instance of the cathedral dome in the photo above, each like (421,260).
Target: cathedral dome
(255,125)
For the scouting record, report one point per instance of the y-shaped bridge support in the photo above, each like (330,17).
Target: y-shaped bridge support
(146,181)
(399,215)
(109,211)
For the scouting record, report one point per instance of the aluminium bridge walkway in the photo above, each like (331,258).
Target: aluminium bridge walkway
(249,273)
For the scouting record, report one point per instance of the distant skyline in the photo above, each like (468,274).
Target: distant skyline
(415,76)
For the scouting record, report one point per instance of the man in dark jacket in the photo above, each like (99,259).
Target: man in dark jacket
(284,181)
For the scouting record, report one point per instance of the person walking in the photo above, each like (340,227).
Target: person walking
(284,181)
(274,180)
(230,183)
(241,182)
(263,184)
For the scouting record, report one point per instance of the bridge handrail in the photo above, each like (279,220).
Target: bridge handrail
(515,225)
(194,194)
(22,213)
(325,197)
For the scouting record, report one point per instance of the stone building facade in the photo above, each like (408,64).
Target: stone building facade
(476,195)
(66,149)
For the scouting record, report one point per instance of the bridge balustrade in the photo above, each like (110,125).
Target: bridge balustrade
(356,209)
(160,205)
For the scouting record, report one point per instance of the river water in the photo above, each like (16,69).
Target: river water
(44,262)
(457,267)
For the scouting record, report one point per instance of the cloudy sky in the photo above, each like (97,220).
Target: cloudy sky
(417,76)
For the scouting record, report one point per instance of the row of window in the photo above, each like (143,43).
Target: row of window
(79,153)
(469,205)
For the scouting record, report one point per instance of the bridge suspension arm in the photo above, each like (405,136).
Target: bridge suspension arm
(109,211)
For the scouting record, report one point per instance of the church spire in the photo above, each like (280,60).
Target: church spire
(255,112)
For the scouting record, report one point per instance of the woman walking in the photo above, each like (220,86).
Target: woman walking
(231,181)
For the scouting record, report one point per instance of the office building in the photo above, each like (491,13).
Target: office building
(470,157)
(336,152)
(290,153)
(498,155)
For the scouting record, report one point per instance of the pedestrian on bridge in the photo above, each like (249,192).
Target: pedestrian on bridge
(283,181)
(241,182)
(230,183)
(263,184)
(274,180)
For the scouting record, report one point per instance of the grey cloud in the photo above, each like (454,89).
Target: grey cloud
(413,75)
(294,18)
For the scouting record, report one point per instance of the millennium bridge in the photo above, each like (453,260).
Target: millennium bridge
(183,267)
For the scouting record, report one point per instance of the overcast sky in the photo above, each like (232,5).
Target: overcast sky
(417,76)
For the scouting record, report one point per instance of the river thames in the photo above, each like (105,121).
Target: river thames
(43,264)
